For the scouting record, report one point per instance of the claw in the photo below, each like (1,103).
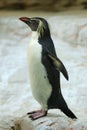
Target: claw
(31,112)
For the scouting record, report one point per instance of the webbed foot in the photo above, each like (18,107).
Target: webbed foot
(37,114)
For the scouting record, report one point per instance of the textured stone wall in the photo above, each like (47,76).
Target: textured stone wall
(47,5)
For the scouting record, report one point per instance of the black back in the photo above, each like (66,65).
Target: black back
(52,74)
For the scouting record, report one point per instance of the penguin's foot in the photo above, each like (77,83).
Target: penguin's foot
(37,114)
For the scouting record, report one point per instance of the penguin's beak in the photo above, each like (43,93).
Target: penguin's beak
(31,23)
(25,19)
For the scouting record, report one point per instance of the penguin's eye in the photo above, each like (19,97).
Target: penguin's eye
(34,24)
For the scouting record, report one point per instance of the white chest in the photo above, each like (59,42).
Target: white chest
(40,85)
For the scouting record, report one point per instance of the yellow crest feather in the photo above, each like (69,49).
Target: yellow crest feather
(40,28)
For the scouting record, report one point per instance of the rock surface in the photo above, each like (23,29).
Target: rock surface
(53,123)
(16,99)
(49,5)
(72,31)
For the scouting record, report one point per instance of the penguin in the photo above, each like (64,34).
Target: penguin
(44,70)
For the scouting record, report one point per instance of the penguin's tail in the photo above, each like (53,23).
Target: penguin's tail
(68,112)
(64,108)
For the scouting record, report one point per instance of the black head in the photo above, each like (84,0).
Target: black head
(37,24)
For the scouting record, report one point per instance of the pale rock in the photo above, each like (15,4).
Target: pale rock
(53,123)
(45,123)
(82,36)
(15,94)
(74,32)
(20,75)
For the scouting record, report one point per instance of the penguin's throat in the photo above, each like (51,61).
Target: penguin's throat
(35,35)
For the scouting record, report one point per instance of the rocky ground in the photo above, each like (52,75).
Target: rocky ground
(69,32)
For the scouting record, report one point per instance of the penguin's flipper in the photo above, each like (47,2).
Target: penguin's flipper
(59,65)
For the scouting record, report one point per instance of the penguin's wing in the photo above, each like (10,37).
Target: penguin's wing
(58,65)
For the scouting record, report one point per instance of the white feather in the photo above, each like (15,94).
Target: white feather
(41,88)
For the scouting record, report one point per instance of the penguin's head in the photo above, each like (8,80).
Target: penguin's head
(37,24)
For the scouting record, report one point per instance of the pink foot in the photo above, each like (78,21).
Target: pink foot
(37,114)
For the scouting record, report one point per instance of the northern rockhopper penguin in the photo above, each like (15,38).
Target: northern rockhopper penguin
(44,69)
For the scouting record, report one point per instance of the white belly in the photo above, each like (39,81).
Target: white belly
(40,85)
